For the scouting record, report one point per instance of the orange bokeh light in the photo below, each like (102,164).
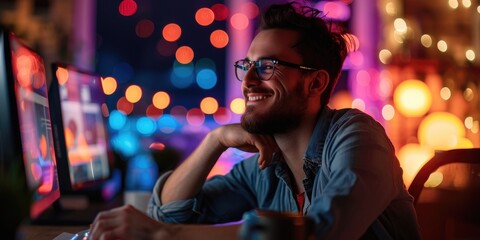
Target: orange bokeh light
(184,54)
(62,75)
(171,32)
(133,93)
(209,105)
(161,100)
(219,38)
(204,16)
(109,85)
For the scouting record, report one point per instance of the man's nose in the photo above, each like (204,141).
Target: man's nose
(251,78)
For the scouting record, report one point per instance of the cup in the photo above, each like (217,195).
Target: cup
(270,225)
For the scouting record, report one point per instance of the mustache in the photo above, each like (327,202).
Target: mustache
(256,90)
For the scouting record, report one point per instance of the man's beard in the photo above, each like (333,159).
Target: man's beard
(281,118)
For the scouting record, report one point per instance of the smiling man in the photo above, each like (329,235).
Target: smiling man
(335,167)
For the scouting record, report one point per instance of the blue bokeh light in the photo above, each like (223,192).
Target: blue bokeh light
(125,143)
(146,126)
(206,79)
(181,82)
(182,70)
(117,120)
(167,123)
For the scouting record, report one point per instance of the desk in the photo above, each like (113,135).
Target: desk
(39,232)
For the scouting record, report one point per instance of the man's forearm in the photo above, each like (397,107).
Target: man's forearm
(187,180)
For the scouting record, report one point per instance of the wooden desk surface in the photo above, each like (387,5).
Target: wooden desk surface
(40,232)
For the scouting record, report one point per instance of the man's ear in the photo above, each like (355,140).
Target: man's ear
(319,83)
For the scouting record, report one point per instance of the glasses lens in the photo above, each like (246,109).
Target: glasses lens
(265,68)
(241,68)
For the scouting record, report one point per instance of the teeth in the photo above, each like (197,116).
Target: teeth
(257,98)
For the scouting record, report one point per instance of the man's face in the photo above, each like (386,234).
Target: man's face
(276,105)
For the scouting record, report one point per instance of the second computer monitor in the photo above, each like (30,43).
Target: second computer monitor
(78,109)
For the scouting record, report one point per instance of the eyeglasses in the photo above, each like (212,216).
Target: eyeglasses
(264,68)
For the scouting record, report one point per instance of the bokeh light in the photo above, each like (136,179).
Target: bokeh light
(239,21)
(222,116)
(219,38)
(412,98)
(209,105)
(124,105)
(388,112)
(167,124)
(109,85)
(237,105)
(133,93)
(434,180)
(412,157)
(62,75)
(184,54)
(127,8)
(204,16)
(440,131)
(161,100)
(171,32)
(144,28)
(153,112)
(250,9)
(195,117)
(206,79)
(334,10)
(220,11)
(358,104)
(146,126)
(117,120)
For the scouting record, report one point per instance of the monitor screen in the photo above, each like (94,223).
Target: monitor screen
(25,128)
(78,116)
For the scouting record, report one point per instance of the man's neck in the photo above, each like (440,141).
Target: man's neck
(293,146)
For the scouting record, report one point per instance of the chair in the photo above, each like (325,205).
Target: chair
(449,208)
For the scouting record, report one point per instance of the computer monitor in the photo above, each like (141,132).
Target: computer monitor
(26,139)
(79,111)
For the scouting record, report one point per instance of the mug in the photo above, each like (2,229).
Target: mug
(271,225)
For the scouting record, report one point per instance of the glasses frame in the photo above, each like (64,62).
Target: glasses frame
(275,62)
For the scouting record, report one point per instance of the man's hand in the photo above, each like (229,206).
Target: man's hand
(125,222)
(235,136)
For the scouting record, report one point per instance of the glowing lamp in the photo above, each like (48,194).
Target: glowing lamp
(412,98)
(441,131)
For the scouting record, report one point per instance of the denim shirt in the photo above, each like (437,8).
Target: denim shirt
(353,185)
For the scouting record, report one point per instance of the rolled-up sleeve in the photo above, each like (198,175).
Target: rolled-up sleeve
(222,199)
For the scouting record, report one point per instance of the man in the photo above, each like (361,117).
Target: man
(336,167)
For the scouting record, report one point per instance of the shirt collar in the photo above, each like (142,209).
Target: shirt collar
(315,145)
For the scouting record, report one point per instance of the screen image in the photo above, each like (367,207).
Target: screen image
(29,114)
(85,144)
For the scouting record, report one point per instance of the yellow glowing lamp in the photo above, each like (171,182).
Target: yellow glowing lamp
(412,157)
(412,98)
(441,131)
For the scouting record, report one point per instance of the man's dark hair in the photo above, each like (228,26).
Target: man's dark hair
(320,47)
